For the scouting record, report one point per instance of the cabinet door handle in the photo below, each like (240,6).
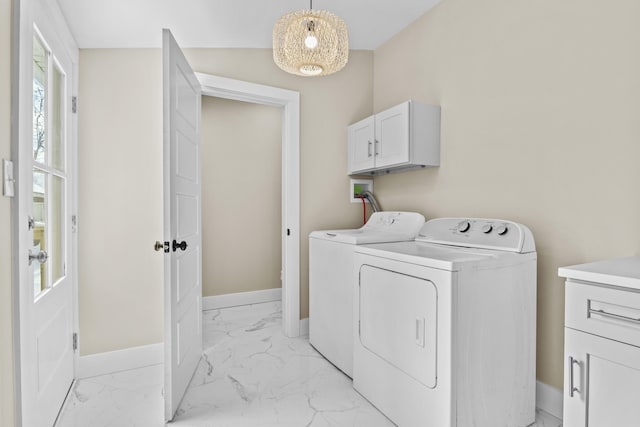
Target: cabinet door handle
(572,388)
(614,316)
(376,152)
(369,149)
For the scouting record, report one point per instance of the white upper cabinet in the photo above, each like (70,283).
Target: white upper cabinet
(392,135)
(361,137)
(403,137)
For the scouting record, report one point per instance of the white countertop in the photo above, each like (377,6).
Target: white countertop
(624,272)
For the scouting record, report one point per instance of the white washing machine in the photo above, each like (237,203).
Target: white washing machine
(331,265)
(445,330)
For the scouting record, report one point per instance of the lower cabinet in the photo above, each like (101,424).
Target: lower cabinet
(602,382)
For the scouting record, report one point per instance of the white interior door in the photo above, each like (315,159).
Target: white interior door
(182,223)
(44,223)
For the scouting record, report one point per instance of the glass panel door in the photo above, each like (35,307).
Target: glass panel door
(49,177)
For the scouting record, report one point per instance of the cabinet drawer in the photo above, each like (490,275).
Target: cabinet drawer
(605,311)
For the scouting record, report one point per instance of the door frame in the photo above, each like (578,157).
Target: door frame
(21,146)
(289,101)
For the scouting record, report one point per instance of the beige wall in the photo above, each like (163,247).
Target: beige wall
(6,354)
(241,196)
(120,210)
(540,105)
(120,199)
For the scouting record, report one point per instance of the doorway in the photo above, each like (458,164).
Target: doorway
(241,201)
(289,102)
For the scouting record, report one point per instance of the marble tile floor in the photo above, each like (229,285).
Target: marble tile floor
(250,375)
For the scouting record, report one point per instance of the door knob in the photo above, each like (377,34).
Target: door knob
(158,246)
(41,257)
(182,245)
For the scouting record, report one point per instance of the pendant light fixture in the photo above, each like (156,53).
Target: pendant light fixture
(310,42)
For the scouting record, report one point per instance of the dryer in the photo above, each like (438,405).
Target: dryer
(330,280)
(445,326)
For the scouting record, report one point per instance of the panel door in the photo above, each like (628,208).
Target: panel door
(392,136)
(182,224)
(47,298)
(605,376)
(361,145)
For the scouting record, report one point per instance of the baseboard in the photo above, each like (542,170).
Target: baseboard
(241,298)
(120,360)
(304,326)
(549,399)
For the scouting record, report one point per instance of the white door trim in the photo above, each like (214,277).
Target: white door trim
(21,149)
(222,87)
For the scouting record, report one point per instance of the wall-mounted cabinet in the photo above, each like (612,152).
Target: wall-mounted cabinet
(403,137)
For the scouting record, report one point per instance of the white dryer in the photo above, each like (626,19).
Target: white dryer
(445,330)
(331,265)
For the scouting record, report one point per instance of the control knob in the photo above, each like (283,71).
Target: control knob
(487,228)
(464,226)
(502,230)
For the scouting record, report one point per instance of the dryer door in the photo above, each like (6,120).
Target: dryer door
(398,321)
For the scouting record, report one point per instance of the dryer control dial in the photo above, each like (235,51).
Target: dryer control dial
(502,230)
(487,228)
(464,226)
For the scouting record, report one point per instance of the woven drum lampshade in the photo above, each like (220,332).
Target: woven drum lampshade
(310,43)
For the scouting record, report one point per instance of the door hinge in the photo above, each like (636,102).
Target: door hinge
(75,341)
(74,223)
(74,104)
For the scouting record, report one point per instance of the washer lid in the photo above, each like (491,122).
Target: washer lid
(381,227)
(443,257)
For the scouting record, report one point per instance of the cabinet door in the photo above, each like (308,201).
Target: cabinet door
(605,375)
(361,147)
(392,136)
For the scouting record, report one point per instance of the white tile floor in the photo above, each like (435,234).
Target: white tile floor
(251,375)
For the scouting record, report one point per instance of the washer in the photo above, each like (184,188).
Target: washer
(331,265)
(445,328)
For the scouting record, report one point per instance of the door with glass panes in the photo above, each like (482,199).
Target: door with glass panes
(47,340)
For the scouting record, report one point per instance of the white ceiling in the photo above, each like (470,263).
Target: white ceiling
(227,23)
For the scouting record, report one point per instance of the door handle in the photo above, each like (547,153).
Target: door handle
(572,388)
(182,245)
(158,246)
(41,257)
(369,149)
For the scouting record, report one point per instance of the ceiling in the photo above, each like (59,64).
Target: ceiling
(226,23)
